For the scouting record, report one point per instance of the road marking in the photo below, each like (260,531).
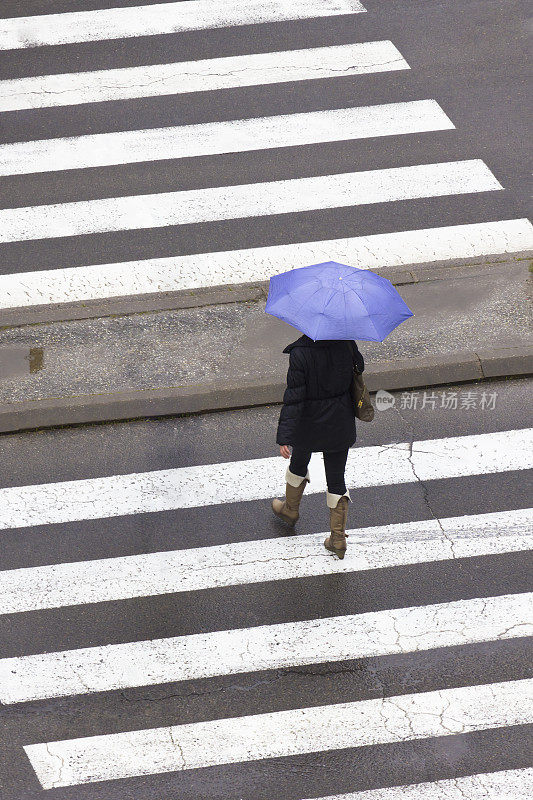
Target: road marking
(233,136)
(245,201)
(187,15)
(283,733)
(238,563)
(229,652)
(510,784)
(261,478)
(205,75)
(99,281)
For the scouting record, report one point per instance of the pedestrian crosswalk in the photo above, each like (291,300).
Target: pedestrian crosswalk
(189,141)
(103,580)
(120,666)
(508,784)
(412,597)
(283,733)
(117,23)
(241,481)
(139,277)
(469,620)
(251,200)
(224,115)
(204,75)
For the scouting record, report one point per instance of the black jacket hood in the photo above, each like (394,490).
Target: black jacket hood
(306,341)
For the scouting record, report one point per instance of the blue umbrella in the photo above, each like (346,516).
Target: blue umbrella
(335,301)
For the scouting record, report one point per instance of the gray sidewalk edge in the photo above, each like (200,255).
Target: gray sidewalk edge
(232,293)
(428,371)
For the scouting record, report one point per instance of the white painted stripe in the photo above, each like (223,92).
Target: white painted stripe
(72,88)
(511,784)
(229,652)
(234,136)
(237,563)
(283,733)
(187,15)
(260,478)
(260,263)
(245,201)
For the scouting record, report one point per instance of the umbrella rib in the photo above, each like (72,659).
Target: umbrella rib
(345,322)
(307,300)
(332,294)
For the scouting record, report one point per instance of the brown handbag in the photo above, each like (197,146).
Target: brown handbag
(364,410)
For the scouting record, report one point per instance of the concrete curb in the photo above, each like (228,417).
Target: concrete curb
(412,373)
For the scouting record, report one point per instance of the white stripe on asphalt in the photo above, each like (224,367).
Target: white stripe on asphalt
(237,563)
(229,652)
(72,88)
(233,136)
(260,263)
(245,201)
(510,784)
(261,478)
(282,733)
(187,15)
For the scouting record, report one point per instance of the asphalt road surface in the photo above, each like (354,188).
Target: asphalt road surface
(163,635)
(146,150)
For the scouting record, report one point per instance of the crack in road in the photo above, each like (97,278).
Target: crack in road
(59,780)
(425,493)
(177,747)
(230,73)
(284,672)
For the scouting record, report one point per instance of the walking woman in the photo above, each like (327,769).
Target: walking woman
(318,415)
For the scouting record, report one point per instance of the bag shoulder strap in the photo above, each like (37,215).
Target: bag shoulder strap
(354,356)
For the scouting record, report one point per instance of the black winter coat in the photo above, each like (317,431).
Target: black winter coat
(318,412)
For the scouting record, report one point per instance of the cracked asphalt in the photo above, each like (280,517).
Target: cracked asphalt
(408,667)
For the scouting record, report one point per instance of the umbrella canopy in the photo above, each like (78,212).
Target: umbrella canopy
(335,301)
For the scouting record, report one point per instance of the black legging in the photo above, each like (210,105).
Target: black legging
(334,464)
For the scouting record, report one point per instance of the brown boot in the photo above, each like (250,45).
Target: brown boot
(338,513)
(288,509)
